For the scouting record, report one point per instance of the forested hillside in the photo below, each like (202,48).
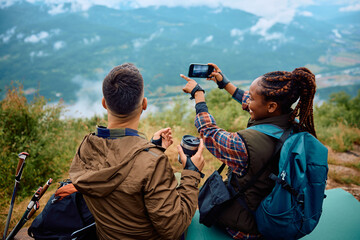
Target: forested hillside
(60,53)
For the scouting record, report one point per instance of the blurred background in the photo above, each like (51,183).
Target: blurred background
(64,48)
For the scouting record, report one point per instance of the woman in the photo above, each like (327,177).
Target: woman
(268,101)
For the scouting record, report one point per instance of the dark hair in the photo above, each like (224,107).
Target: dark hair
(286,88)
(123,88)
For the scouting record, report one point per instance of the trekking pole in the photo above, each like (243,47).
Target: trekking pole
(32,204)
(31,208)
(18,174)
(45,187)
(23,220)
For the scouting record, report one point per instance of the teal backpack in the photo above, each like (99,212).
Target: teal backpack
(294,206)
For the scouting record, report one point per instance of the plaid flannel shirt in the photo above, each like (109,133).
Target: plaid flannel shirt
(226,146)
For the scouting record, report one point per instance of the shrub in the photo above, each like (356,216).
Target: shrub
(36,128)
(337,121)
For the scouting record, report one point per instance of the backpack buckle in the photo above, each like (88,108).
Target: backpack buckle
(300,198)
(283,175)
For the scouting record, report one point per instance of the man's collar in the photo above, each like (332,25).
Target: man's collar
(104,132)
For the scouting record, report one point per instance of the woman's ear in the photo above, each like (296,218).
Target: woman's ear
(272,107)
(104,103)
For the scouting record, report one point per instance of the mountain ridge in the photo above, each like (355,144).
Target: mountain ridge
(51,51)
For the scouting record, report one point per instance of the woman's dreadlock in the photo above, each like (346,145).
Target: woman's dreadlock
(287,87)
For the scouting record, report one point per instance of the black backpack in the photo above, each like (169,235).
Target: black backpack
(65,213)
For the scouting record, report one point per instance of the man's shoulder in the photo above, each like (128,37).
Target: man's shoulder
(152,152)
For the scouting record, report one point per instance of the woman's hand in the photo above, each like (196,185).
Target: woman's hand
(215,75)
(166,136)
(190,85)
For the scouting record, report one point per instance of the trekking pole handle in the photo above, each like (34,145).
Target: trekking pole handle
(34,198)
(45,187)
(33,210)
(20,166)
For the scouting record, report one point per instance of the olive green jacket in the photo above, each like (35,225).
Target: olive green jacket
(130,188)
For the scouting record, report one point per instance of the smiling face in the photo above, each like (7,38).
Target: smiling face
(258,107)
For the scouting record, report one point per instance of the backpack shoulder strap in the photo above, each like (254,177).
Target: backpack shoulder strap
(269,129)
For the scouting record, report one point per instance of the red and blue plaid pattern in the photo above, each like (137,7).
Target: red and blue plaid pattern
(226,146)
(245,97)
(241,235)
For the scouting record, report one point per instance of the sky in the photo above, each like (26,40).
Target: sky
(275,10)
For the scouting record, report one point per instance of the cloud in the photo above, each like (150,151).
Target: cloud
(57,9)
(305,14)
(35,38)
(351,8)
(198,41)
(41,36)
(261,28)
(5,37)
(59,44)
(282,10)
(92,40)
(38,54)
(20,36)
(89,96)
(336,33)
(7,3)
(88,101)
(208,39)
(239,34)
(141,42)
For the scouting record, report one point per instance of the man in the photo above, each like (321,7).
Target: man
(128,182)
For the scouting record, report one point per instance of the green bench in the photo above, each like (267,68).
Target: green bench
(340,220)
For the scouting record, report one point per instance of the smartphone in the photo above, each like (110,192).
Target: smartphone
(200,70)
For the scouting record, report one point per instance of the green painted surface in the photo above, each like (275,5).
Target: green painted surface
(340,220)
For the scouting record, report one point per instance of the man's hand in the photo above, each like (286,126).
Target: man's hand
(197,159)
(166,136)
(215,75)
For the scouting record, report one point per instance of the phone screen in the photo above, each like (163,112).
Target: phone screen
(200,70)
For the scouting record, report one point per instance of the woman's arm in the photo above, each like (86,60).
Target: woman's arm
(226,146)
(223,83)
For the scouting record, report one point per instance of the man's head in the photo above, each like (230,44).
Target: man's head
(123,90)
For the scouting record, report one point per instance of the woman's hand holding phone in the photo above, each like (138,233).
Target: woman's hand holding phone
(215,75)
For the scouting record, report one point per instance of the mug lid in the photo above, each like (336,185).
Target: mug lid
(190,141)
